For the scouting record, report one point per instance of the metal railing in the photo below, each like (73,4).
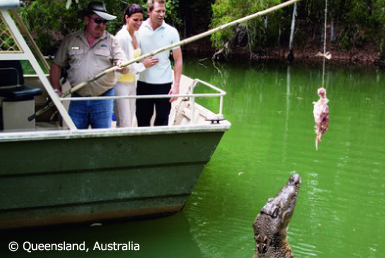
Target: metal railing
(220,93)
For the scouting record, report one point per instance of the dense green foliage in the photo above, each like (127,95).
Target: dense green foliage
(352,24)
(49,20)
(258,30)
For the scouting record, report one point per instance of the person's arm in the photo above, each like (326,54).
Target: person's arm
(178,68)
(124,69)
(144,64)
(119,55)
(55,74)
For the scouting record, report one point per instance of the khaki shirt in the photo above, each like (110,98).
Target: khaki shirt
(86,61)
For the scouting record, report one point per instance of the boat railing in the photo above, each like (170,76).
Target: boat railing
(189,95)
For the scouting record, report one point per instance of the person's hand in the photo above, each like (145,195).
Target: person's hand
(174,91)
(150,62)
(123,69)
(58,92)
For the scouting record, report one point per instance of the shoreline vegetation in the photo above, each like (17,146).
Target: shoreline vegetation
(354,31)
(365,56)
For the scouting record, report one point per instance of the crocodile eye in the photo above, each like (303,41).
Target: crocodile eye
(264,250)
(259,248)
(275,212)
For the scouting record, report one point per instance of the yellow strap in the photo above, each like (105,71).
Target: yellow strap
(127,78)
(131,77)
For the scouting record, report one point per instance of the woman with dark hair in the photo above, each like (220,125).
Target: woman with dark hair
(124,109)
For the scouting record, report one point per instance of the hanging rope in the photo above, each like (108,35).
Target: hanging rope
(324,61)
(325,55)
(321,109)
(326,18)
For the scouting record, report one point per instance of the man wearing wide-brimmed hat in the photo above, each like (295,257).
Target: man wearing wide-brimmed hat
(89,52)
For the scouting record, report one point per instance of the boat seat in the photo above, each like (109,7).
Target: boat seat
(17,99)
(12,86)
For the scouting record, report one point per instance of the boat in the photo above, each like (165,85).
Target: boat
(51,173)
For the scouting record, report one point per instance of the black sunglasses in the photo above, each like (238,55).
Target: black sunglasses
(98,21)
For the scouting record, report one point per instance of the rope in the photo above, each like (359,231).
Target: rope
(324,59)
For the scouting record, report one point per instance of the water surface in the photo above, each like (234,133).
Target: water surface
(341,207)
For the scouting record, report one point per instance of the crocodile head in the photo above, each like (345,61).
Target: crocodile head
(270,225)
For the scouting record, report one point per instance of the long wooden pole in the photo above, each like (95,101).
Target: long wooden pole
(180,43)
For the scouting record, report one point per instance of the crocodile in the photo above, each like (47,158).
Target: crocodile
(271,224)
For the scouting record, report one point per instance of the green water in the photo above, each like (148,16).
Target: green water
(341,207)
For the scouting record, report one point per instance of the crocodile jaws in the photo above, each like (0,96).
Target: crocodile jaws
(271,224)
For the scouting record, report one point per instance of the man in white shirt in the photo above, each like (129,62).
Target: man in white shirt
(155,34)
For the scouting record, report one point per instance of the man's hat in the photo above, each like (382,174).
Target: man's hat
(100,9)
